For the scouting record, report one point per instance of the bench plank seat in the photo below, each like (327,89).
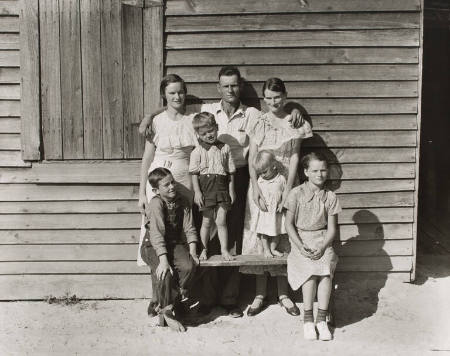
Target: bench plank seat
(243,260)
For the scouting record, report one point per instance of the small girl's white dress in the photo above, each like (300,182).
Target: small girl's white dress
(271,222)
(311,210)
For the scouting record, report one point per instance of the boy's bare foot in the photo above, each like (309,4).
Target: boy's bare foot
(227,256)
(204,255)
(268,254)
(276,253)
(171,322)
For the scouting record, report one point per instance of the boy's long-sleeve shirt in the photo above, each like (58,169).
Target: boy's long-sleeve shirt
(169,223)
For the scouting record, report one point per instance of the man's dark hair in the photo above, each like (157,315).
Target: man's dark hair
(228,71)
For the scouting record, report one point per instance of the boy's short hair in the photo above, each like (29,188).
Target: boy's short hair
(229,71)
(313,156)
(155,176)
(203,119)
(263,160)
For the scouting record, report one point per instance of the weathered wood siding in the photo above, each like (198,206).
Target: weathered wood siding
(72,227)
(91,79)
(10,126)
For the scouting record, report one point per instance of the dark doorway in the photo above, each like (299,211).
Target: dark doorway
(434,186)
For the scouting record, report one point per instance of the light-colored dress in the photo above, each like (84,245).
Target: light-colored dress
(278,136)
(174,141)
(271,222)
(311,210)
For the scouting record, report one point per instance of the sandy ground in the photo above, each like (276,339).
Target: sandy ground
(381,316)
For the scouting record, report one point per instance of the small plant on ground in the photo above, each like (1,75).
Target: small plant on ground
(65,300)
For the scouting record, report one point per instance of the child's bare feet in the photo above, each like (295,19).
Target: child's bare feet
(276,253)
(227,256)
(173,323)
(268,254)
(204,255)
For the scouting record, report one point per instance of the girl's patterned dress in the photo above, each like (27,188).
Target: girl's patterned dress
(311,210)
(174,141)
(276,135)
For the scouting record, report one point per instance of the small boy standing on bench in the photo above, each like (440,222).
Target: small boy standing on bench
(169,246)
(212,169)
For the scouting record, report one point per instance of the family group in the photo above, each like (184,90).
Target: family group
(237,170)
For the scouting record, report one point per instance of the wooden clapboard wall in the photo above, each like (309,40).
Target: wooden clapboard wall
(10,155)
(71,226)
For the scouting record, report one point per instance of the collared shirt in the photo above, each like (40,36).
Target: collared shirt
(311,208)
(211,159)
(169,223)
(234,130)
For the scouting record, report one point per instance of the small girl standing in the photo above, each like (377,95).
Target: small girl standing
(212,169)
(311,222)
(270,223)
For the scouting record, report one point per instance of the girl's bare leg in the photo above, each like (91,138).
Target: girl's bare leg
(274,241)
(222,231)
(309,293)
(265,244)
(324,292)
(205,234)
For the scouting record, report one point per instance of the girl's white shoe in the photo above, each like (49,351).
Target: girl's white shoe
(309,331)
(324,332)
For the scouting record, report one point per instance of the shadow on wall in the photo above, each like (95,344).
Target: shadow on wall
(356,295)
(250,96)
(318,144)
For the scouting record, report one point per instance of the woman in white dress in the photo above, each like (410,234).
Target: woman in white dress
(273,132)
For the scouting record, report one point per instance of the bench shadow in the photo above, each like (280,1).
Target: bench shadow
(356,294)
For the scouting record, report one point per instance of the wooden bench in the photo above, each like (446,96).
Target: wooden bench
(260,260)
(243,260)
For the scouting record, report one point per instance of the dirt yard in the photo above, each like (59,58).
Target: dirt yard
(378,316)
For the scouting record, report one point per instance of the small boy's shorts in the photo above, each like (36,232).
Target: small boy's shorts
(215,191)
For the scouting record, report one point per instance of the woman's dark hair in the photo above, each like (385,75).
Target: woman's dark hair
(155,176)
(169,79)
(274,84)
(313,156)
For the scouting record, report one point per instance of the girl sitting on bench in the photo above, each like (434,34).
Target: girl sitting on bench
(311,222)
